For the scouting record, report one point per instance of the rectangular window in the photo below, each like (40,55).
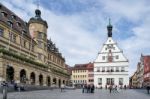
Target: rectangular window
(117,57)
(110,81)
(14,38)
(24,43)
(103,57)
(39,44)
(108,69)
(112,69)
(122,69)
(39,56)
(103,69)
(98,69)
(40,36)
(1,31)
(120,81)
(99,81)
(117,69)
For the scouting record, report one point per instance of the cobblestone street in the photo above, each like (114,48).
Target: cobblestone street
(76,94)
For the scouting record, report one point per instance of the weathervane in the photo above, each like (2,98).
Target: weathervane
(38,4)
(109,21)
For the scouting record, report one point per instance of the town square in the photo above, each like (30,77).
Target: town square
(66,49)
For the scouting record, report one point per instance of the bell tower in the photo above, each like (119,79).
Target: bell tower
(38,31)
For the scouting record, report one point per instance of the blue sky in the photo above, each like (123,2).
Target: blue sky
(78,27)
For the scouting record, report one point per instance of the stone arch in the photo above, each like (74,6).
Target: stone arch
(59,83)
(40,79)
(9,73)
(22,76)
(48,80)
(63,81)
(32,78)
(54,81)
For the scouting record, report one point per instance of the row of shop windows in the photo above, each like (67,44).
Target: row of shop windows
(55,59)
(13,38)
(110,81)
(111,69)
(78,71)
(79,76)
(79,81)
(106,57)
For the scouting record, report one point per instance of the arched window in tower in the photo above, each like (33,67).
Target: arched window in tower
(40,35)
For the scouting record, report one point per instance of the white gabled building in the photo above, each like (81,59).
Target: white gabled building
(111,66)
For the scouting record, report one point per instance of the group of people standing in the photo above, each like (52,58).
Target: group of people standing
(115,88)
(88,88)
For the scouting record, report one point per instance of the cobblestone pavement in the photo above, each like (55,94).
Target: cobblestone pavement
(76,94)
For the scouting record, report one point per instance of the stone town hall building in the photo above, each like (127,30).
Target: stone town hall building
(26,55)
(111,66)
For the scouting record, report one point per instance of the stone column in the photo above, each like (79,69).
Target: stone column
(16,75)
(44,80)
(28,77)
(37,79)
(2,71)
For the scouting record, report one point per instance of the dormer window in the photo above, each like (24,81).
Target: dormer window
(24,32)
(10,23)
(13,17)
(4,14)
(18,24)
(0,6)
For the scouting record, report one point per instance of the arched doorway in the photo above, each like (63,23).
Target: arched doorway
(23,76)
(32,78)
(63,81)
(9,73)
(59,83)
(54,81)
(40,79)
(48,81)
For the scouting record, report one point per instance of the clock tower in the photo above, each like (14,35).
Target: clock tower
(111,65)
(38,31)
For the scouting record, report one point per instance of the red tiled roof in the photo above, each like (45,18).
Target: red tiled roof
(86,66)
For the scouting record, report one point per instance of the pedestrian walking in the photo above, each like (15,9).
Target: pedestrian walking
(110,88)
(92,88)
(88,88)
(125,87)
(148,88)
(62,87)
(83,88)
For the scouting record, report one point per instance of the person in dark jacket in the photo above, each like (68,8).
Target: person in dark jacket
(148,88)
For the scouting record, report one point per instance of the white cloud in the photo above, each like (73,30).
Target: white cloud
(80,36)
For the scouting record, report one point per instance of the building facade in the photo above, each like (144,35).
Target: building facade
(139,74)
(26,55)
(110,66)
(82,74)
(146,74)
(133,80)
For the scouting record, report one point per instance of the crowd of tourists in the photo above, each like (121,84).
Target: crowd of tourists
(88,88)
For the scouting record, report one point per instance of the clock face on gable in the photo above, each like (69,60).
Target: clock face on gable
(32,31)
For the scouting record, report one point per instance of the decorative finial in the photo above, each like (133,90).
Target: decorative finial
(37,11)
(109,21)
(38,4)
